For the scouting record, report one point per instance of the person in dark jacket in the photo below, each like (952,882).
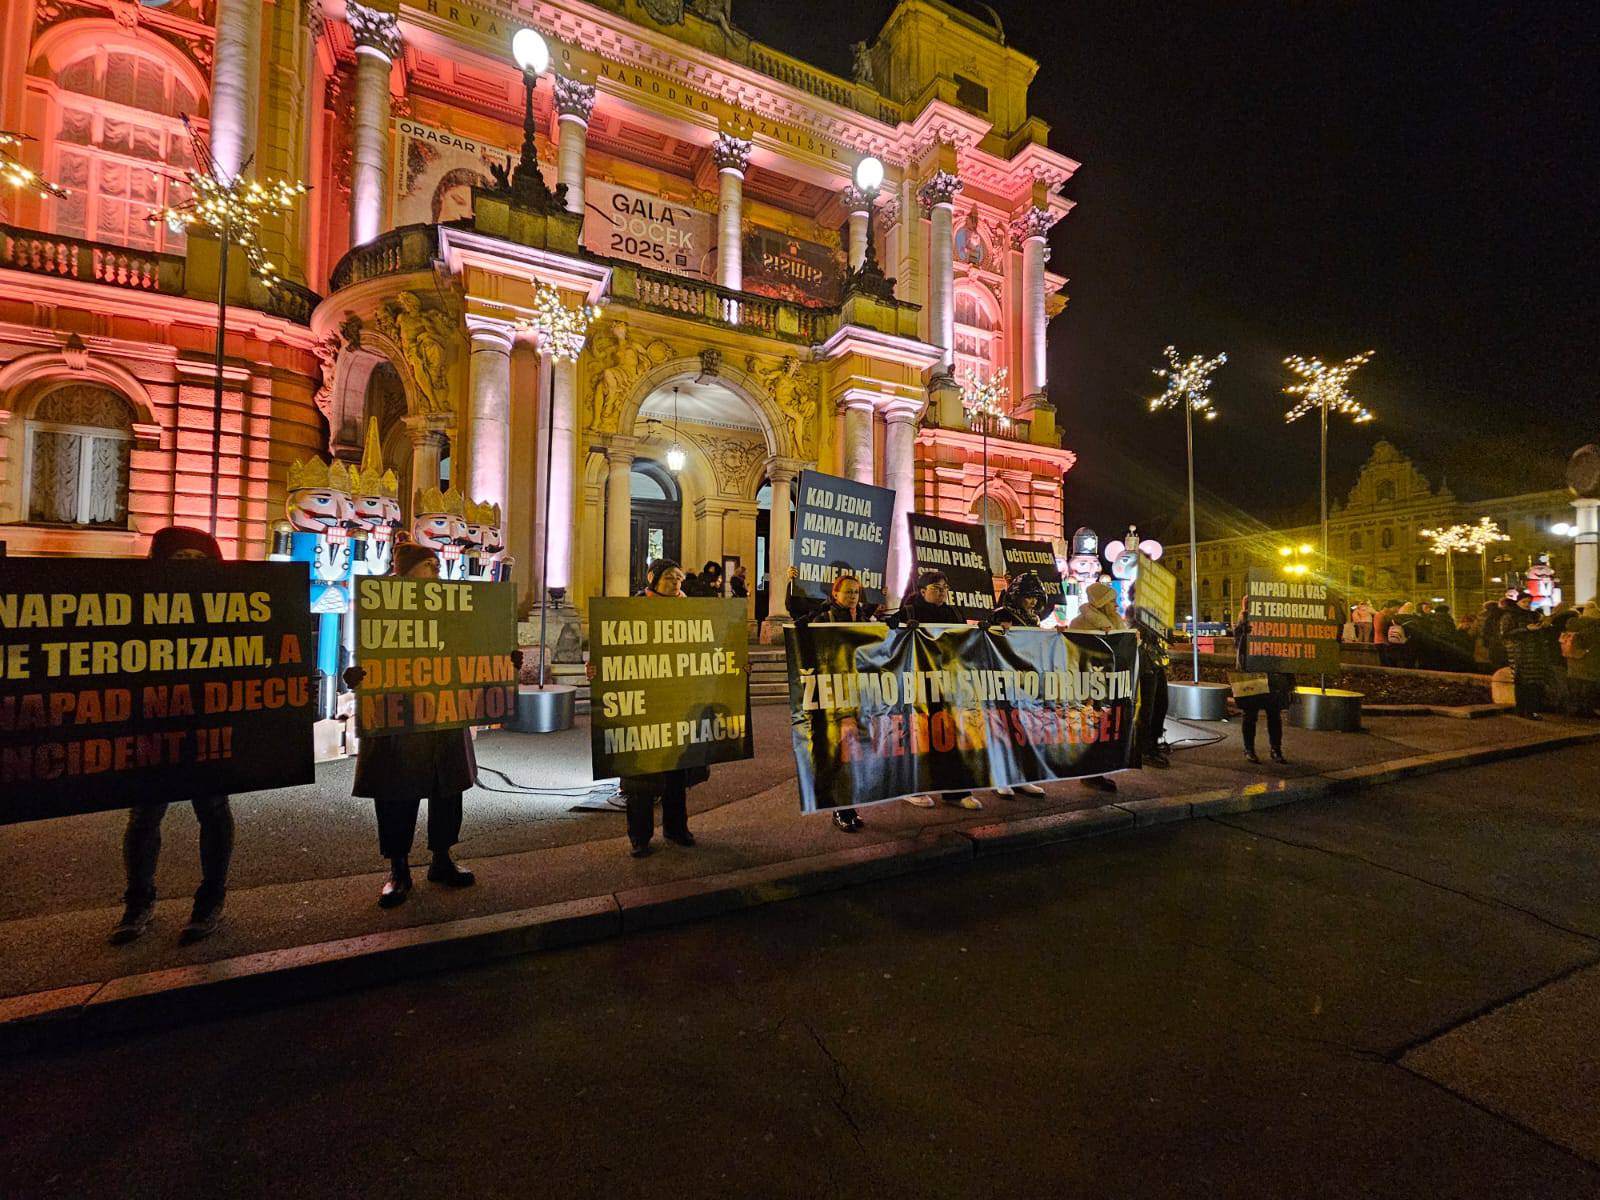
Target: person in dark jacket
(1532,651)
(737,585)
(930,605)
(1280,688)
(141,840)
(1022,604)
(843,605)
(396,771)
(663,581)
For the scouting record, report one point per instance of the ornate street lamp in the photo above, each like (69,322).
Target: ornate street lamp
(232,208)
(676,458)
(1323,387)
(869,278)
(1189,387)
(525,185)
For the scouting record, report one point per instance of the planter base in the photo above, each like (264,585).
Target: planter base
(543,710)
(1198,701)
(1332,711)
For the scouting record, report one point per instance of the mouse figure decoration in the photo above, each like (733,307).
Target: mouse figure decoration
(1124,559)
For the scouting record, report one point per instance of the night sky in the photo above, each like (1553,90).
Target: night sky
(1313,177)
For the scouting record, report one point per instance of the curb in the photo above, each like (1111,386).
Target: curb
(66,1015)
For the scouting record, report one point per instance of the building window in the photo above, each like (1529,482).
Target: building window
(78,444)
(1205,589)
(978,345)
(1227,589)
(1355,541)
(971,95)
(120,148)
(1422,570)
(1386,539)
(1386,492)
(1358,577)
(991,514)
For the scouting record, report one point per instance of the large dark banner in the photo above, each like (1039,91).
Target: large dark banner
(670,687)
(880,713)
(791,268)
(125,681)
(1040,558)
(437,654)
(1294,625)
(841,525)
(957,549)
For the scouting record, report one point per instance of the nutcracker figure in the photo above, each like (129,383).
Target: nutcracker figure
(317,533)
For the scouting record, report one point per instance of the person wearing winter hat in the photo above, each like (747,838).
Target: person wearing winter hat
(141,840)
(1099,615)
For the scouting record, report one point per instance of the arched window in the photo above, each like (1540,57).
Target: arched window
(1205,589)
(1227,588)
(1355,541)
(1386,492)
(991,514)
(79,438)
(978,343)
(120,147)
(1386,538)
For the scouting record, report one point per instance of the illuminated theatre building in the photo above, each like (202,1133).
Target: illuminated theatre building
(710,207)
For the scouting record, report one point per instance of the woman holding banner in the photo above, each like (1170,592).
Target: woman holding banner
(663,581)
(844,605)
(397,770)
(930,605)
(1099,615)
(1022,603)
(1280,687)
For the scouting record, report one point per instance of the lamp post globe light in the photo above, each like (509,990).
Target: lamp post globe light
(527,187)
(869,278)
(869,175)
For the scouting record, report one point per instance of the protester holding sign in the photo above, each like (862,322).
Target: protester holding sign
(1272,701)
(959,554)
(1099,615)
(1023,604)
(1153,661)
(141,841)
(844,605)
(930,605)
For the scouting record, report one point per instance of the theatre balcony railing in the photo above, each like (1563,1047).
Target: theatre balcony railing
(90,262)
(802,76)
(408,248)
(657,291)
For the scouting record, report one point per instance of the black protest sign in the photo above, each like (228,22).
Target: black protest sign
(124,681)
(841,526)
(670,689)
(1294,625)
(959,551)
(1039,557)
(879,713)
(437,654)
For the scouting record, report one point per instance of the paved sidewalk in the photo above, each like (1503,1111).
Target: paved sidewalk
(307,870)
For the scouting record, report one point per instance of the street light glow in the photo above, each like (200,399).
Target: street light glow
(1323,385)
(530,51)
(869,174)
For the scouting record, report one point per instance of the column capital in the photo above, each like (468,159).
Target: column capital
(730,153)
(902,412)
(854,199)
(888,214)
(1031,223)
(621,451)
(375,32)
(490,333)
(573,99)
(425,429)
(784,470)
(938,190)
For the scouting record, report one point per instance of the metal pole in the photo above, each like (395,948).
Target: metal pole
(216,395)
(544,554)
(1194,565)
(1324,409)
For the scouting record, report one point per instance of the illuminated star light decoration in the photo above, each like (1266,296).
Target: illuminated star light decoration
(1188,382)
(562,328)
(17,174)
(233,208)
(985,399)
(1322,384)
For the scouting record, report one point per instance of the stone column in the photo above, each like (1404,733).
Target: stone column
(856,202)
(236,83)
(937,197)
(1585,550)
(560,522)
(427,448)
(779,538)
(732,156)
(1028,235)
(857,448)
(377,36)
(619,519)
(900,476)
(574,103)
(488,413)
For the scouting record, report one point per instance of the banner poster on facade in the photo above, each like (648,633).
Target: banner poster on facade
(622,223)
(670,687)
(437,654)
(1294,625)
(1039,557)
(791,268)
(959,551)
(840,526)
(127,680)
(1155,596)
(438,170)
(879,713)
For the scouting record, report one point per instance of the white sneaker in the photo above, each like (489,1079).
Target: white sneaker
(970,803)
(921,801)
(1030,789)
(1005,791)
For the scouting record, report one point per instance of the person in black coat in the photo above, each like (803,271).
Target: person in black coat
(842,606)
(930,605)
(1533,653)
(396,771)
(141,841)
(1280,687)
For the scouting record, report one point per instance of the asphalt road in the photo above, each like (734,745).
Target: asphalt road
(1393,994)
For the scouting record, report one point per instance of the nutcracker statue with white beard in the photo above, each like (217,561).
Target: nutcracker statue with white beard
(440,524)
(485,552)
(317,533)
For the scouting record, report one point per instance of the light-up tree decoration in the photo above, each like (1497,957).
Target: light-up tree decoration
(17,173)
(1189,387)
(232,207)
(562,330)
(984,400)
(1479,538)
(1443,543)
(1325,389)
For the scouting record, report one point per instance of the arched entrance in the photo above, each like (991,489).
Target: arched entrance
(656,502)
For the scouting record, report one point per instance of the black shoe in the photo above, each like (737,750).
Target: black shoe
(680,839)
(1157,759)
(847,822)
(203,922)
(1277,757)
(640,849)
(450,873)
(396,889)
(135,920)
(1251,756)
(1099,783)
